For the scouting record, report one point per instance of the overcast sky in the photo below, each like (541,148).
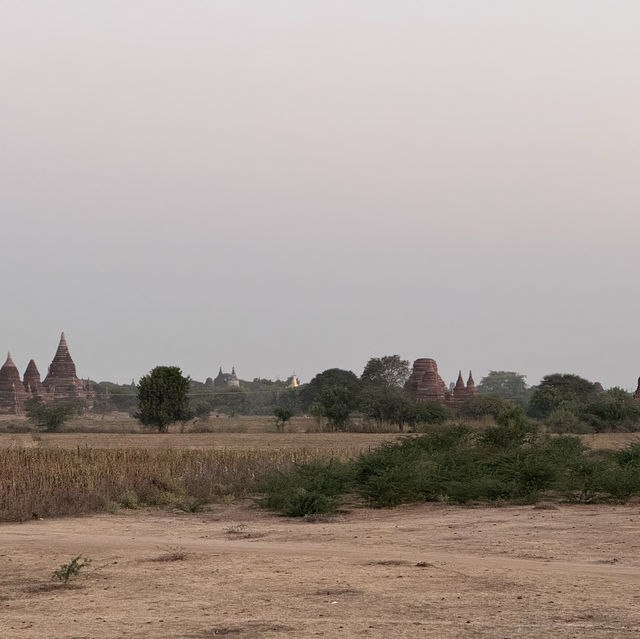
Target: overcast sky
(298,185)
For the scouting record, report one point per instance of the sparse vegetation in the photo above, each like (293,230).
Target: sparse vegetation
(177,553)
(67,572)
(48,417)
(509,462)
(52,482)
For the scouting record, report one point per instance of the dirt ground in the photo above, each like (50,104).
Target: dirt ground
(430,570)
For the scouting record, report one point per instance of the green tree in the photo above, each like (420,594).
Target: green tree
(331,378)
(613,409)
(505,384)
(560,391)
(163,398)
(333,403)
(49,417)
(390,370)
(282,415)
(482,405)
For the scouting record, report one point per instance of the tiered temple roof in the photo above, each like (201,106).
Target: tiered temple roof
(426,385)
(12,392)
(60,383)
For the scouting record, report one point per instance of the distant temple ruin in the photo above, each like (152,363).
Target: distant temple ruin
(224,379)
(636,395)
(426,385)
(61,382)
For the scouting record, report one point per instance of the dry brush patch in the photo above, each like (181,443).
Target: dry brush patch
(53,482)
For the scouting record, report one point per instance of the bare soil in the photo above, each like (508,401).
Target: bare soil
(430,570)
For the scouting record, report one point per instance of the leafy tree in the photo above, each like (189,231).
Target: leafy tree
(389,370)
(49,417)
(282,415)
(384,404)
(331,378)
(560,391)
(483,405)
(333,403)
(505,384)
(163,398)
(614,409)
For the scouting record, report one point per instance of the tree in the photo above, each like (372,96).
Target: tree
(389,370)
(49,417)
(505,384)
(560,391)
(162,398)
(331,378)
(282,415)
(613,409)
(333,403)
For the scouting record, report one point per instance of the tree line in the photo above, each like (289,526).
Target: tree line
(564,402)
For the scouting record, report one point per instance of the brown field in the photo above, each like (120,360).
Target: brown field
(430,570)
(331,443)
(423,571)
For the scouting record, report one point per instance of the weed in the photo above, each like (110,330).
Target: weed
(176,553)
(69,571)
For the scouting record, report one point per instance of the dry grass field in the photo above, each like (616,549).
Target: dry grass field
(229,569)
(431,570)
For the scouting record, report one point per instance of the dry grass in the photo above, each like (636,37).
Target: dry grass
(51,482)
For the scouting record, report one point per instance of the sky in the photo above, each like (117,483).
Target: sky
(293,186)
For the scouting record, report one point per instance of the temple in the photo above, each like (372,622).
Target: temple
(224,379)
(61,382)
(426,385)
(636,395)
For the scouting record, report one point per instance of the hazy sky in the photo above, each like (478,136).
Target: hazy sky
(298,185)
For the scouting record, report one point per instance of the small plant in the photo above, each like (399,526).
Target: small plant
(178,553)
(188,504)
(239,529)
(69,571)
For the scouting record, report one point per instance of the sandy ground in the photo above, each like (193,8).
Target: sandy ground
(422,571)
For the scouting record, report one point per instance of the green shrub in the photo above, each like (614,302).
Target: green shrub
(311,489)
(66,572)
(507,462)
(562,420)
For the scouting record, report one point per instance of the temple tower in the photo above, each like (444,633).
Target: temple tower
(472,391)
(12,392)
(32,383)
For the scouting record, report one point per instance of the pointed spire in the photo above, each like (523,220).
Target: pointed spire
(32,370)
(636,395)
(63,349)
(9,361)
(459,383)
(470,381)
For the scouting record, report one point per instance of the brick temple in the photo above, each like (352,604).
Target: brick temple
(61,382)
(426,385)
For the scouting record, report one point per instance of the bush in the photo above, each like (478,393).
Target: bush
(562,420)
(509,462)
(49,417)
(483,406)
(310,489)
